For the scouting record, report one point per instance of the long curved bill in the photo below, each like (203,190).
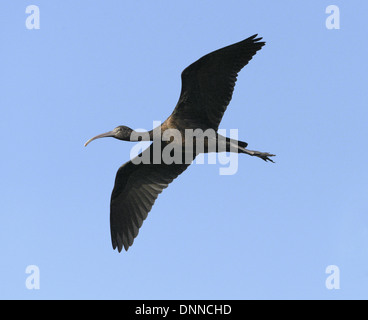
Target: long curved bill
(104,135)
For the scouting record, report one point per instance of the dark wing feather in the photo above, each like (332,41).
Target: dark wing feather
(208,84)
(136,189)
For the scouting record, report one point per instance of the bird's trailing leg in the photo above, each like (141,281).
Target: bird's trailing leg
(263,155)
(239,147)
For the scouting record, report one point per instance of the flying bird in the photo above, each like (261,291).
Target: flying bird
(207,88)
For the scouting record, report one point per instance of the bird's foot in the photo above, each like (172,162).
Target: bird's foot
(263,155)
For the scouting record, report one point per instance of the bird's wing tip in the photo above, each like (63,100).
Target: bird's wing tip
(256,39)
(119,246)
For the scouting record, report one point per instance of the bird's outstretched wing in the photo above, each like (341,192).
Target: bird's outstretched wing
(137,187)
(208,83)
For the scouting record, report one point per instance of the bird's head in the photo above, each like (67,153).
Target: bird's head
(121,133)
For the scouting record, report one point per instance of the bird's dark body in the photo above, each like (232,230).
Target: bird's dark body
(207,88)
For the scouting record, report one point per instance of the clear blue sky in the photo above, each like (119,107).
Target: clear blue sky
(267,232)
